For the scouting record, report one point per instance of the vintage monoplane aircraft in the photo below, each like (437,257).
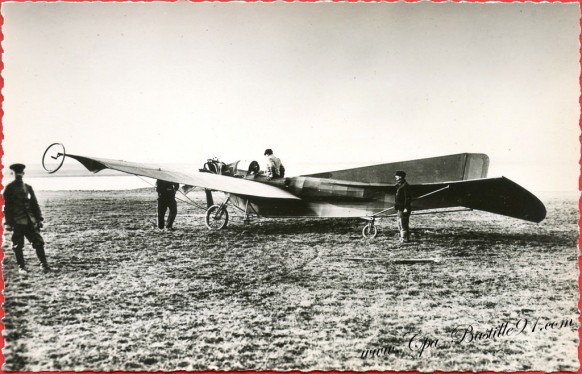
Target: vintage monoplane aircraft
(436,183)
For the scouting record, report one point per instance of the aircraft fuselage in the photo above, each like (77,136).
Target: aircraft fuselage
(320,197)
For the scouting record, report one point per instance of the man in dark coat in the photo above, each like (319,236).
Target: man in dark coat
(167,200)
(402,205)
(23,216)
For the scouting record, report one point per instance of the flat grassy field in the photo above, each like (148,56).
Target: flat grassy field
(473,291)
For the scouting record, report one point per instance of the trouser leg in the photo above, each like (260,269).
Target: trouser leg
(399,222)
(34,237)
(18,245)
(403,225)
(173,212)
(161,213)
(41,255)
(406,227)
(19,257)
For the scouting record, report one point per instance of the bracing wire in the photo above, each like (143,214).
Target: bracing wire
(187,201)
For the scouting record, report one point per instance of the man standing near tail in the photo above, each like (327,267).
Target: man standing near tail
(23,216)
(402,205)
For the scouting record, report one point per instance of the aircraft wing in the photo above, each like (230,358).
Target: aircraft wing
(462,166)
(205,180)
(494,195)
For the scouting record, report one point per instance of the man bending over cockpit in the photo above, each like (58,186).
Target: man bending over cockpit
(275,168)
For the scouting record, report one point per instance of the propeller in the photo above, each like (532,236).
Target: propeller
(55,152)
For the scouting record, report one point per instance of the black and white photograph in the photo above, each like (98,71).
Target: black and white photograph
(277,186)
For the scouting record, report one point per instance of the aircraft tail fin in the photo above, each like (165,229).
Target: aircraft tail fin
(458,167)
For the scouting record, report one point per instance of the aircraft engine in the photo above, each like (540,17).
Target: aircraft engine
(214,166)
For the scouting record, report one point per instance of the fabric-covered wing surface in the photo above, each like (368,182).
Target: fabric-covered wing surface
(198,179)
(494,195)
(442,169)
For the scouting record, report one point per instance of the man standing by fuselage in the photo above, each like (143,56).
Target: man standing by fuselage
(402,205)
(167,200)
(23,216)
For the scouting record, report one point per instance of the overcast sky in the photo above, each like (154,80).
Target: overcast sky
(321,84)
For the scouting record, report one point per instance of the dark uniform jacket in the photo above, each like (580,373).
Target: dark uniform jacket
(166,189)
(20,204)
(403,198)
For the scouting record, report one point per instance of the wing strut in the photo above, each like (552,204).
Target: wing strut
(416,198)
(433,192)
(209,199)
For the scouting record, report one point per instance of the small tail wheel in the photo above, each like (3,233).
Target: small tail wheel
(53,157)
(370,230)
(216,217)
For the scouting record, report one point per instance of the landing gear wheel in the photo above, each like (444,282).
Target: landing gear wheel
(216,217)
(370,231)
(50,158)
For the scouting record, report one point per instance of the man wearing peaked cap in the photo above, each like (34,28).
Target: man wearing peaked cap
(23,216)
(402,202)
(17,168)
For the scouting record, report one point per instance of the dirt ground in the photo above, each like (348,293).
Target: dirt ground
(480,291)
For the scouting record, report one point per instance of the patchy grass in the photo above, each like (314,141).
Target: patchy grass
(288,294)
